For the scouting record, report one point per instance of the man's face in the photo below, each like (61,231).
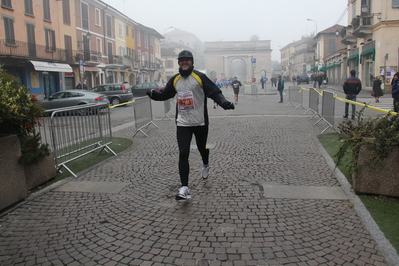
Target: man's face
(185,63)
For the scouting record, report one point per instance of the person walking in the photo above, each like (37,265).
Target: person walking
(192,88)
(236,88)
(294,80)
(280,88)
(395,92)
(262,82)
(377,89)
(352,86)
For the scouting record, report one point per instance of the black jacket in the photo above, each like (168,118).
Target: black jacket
(352,85)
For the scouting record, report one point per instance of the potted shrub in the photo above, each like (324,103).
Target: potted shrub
(375,153)
(19,113)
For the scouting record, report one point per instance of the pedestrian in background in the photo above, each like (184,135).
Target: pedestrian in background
(262,82)
(320,80)
(294,80)
(215,104)
(395,92)
(192,88)
(236,88)
(377,89)
(314,78)
(352,87)
(280,88)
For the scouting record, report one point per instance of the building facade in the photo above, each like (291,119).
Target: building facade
(52,45)
(372,45)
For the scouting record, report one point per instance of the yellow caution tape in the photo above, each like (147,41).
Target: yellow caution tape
(366,105)
(121,104)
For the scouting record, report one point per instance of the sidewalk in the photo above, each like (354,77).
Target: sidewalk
(273,198)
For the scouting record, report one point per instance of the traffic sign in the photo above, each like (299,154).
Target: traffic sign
(253,79)
(253,60)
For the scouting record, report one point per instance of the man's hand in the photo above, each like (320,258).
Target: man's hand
(228,106)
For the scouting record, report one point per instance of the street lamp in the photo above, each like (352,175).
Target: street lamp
(314,22)
(171,27)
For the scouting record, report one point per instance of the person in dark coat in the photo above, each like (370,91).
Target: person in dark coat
(320,80)
(377,89)
(352,87)
(395,92)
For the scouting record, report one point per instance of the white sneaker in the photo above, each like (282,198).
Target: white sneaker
(184,193)
(205,171)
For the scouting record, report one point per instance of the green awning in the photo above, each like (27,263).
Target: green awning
(356,57)
(323,68)
(315,68)
(369,51)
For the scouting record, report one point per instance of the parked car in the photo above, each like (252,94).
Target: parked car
(303,79)
(140,89)
(70,98)
(116,92)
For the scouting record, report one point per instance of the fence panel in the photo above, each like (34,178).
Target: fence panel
(313,102)
(168,107)
(327,110)
(76,131)
(295,97)
(142,114)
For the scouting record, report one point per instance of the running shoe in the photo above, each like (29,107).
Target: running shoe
(184,193)
(205,171)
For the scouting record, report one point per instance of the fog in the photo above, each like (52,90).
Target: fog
(281,21)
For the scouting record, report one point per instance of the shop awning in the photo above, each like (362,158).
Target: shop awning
(52,67)
(356,57)
(323,68)
(369,51)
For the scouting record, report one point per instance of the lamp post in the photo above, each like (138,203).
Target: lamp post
(314,22)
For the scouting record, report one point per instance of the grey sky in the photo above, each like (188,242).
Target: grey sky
(281,21)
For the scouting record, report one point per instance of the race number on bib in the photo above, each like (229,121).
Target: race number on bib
(185,100)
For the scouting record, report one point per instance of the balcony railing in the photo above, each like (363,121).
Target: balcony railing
(89,56)
(31,51)
(362,25)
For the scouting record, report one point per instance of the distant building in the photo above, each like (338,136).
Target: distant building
(244,59)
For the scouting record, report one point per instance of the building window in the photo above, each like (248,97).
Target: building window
(395,3)
(9,30)
(331,46)
(169,64)
(109,26)
(127,30)
(120,33)
(28,8)
(138,38)
(152,40)
(146,40)
(97,17)
(46,10)
(6,3)
(50,40)
(98,45)
(132,33)
(66,12)
(85,16)
(121,51)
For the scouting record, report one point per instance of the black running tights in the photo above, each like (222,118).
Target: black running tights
(184,136)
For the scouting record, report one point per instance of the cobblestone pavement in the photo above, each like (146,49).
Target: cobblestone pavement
(231,219)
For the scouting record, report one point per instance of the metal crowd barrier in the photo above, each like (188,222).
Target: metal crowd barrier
(313,102)
(168,107)
(295,97)
(254,93)
(76,131)
(327,110)
(142,114)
